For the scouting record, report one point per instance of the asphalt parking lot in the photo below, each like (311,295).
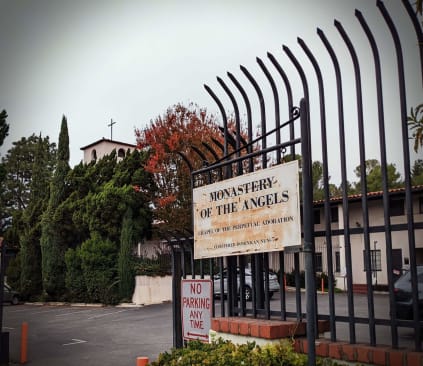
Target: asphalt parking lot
(81,335)
(109,336)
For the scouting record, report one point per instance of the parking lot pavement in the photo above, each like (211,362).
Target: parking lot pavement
(72,335)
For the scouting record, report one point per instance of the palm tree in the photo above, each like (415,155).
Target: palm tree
(415,122)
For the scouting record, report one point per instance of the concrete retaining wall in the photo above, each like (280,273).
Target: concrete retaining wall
(152,290)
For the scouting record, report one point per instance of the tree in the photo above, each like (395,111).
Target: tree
(415,123)
(52,240)
(373,172)
(417,173)
(4,127)
(18,165)
(103,211)
(317,179)
(30,250)
(4,131)
(165,139)
(125,261)
(95,214)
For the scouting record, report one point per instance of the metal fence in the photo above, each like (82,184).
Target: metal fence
(238,157)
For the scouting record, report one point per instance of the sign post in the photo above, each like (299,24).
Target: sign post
(196,301)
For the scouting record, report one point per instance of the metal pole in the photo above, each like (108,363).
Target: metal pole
(176,305)
(308,232)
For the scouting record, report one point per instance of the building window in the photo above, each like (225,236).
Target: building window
(375,260)
(337,262)
(121,153)
(334,214)
(318,262)
(396,206)
(316,216)
(94,155)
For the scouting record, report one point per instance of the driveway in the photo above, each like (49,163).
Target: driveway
(68,335)
(75,336)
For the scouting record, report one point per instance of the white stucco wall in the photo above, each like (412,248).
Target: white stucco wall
(152,290)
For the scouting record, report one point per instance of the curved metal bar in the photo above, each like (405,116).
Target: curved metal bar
(225,123)
(249,119)
(200,154)
(262,111)
(205,161)
(218,144)
(418,30)
(186,160)
(384,170)
(231,140)
(365,206)
(289,96)
(216,157)
(210,149)
(296,114)
(276,99)
(237,121)
(328,218)
(407,175)
(302,76)
(241,139)
(344,183)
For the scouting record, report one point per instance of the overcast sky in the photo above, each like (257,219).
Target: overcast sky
(94,61)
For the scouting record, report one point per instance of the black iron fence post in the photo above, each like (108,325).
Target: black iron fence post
(308,246)
(176,289)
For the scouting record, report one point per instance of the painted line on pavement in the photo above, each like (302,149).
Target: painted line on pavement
(45,311)
(20,310)
(101,315)
(75,312)
(75,341)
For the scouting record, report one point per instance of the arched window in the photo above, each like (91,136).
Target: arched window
(94,155)
(121,153)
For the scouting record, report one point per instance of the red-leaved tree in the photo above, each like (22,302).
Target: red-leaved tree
(176,132)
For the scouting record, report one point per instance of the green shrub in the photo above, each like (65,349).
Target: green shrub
(98,263)
(75,282)
(158,266)
(290,279)
(225,353)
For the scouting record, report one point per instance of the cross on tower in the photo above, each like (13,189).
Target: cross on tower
(111,128)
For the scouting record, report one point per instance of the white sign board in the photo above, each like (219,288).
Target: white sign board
(255,212)
(196,309)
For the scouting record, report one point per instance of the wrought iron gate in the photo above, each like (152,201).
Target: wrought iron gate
(275,143)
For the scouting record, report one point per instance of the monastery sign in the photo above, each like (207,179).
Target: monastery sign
(255,212)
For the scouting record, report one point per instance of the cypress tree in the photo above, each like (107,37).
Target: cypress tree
(53,246)
(125,263)
(30,250)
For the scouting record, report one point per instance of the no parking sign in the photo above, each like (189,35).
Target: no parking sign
(196,309)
